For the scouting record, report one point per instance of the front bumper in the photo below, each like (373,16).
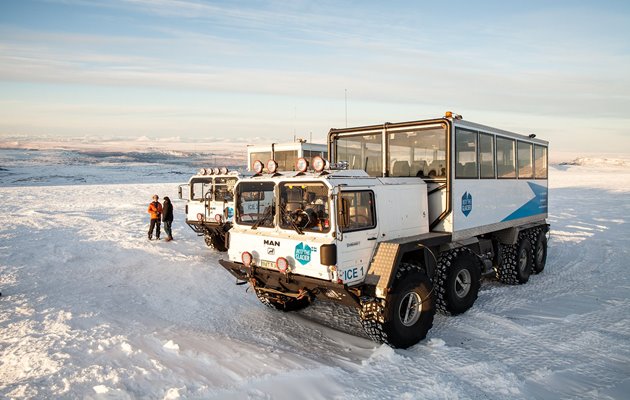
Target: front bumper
(291,285)
(207,227)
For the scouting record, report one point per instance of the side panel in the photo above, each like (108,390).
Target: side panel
(481,202)
(196,207)
(402,211)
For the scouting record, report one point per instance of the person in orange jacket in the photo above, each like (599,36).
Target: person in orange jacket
(155,210)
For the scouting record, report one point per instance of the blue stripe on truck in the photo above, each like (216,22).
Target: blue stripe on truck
(537,205)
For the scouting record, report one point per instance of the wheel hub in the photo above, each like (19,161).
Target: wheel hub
(410,309)
(540,254)
(463,283)
(522,260)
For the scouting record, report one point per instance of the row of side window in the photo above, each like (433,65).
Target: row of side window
(487,156)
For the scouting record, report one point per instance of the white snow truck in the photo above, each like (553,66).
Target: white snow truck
(210,204)
(405,220)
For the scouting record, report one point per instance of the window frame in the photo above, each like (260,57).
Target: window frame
(496,152)
(493,155)
(279,224)
(237,204)
(476,152)
(546,148)
(372,209)
(531,159)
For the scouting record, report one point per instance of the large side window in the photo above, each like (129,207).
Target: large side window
(419,153)
(540,162)
(486,155)
(361,152)
(506,165)
(525,162)
(286,159)
(357,211)
(465,154)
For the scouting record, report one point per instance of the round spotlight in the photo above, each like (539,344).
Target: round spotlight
(282,264)
(301,164)
(246,257)
(257,166)
(223,170)
(202,171)
(216,170)
(218,218)
(272,166)
(199,217)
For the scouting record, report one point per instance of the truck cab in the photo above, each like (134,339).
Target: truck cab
(210,204)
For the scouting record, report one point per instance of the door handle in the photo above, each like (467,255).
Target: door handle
(372,238)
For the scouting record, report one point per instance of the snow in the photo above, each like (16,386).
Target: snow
(91,309)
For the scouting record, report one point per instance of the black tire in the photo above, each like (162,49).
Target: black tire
(515,262)
(216,241)
(282,303)
(408,312)
(458,279)
(540,253)
(208,239)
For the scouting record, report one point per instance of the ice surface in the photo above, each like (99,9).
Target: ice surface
(91,309)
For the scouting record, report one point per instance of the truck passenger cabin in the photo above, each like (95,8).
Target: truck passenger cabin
(480,179)
(404,222)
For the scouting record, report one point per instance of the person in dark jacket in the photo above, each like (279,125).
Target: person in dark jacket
(155,210)
(167,218)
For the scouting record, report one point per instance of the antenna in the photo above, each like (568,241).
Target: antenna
(345,95)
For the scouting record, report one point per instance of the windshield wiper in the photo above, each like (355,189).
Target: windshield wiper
(266,215)
(283,212)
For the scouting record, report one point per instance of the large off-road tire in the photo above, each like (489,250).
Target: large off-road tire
(282,303)
(457,281)
(539,249)
(208,239)
(515,261)
(406,315)
(216,241)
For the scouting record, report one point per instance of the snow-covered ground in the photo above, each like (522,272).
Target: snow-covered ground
(91,309)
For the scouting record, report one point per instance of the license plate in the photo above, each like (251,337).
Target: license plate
(267,264)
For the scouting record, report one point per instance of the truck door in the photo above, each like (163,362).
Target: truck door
(358,233)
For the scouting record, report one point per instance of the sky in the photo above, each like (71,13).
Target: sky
(275,70)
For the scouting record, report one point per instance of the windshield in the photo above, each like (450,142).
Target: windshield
(200,188)
(304,207)
(224,189)
(255,204)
